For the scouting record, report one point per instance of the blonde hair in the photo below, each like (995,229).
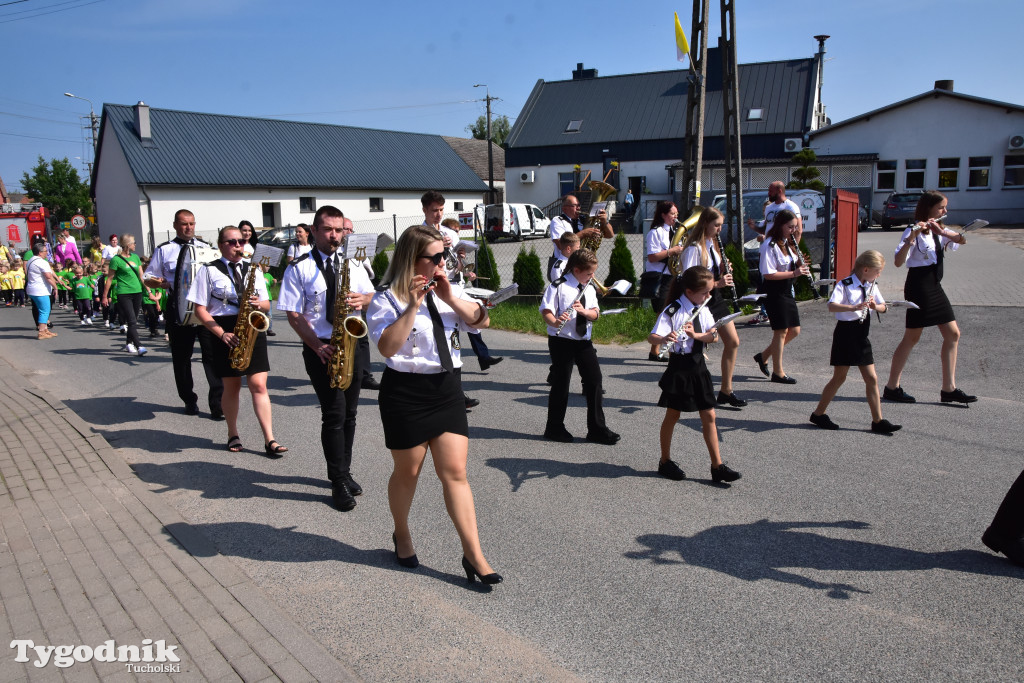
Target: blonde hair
(567,239)
(869,259)
(697,235)
(402,268)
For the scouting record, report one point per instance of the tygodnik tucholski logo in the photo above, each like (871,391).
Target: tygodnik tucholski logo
(149,657)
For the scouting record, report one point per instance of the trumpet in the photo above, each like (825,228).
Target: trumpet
(578,297)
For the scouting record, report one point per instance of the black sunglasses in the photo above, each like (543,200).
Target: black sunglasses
(234,243)
(436,258)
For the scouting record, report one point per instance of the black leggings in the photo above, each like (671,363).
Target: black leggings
(129,306)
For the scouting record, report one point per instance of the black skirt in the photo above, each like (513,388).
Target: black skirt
(923,288)
(850,344)
(220,361)
(718,306)
(415,408)
(686,385)
(780,304)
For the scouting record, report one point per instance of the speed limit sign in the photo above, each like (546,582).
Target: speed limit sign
(78,221)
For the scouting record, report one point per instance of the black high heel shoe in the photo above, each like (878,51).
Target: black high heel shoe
(471,573)
(410,562)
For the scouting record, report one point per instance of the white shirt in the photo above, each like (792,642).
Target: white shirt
(36,283)
(304,290)
(773,208)
(849,292)
(296,250)
(692,256)
(669,322)
(216,291)
(560,224)
(558,298)
(658,239)
(923,251)
(418,354)
(557,269)
(773,260)
(164,262)
(110,251)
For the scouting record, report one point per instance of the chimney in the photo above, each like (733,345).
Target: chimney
(580,73)
(944,85)
(142,121)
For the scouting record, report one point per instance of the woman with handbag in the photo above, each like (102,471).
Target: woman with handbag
(655,281)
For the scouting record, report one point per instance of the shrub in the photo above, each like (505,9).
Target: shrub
(380,265)
(620,265)
(740,274)
(803,288)
(526,272)
(486,267)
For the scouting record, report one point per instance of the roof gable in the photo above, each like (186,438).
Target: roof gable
(474,153)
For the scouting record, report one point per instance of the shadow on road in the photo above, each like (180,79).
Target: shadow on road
(520,470)
(217,480)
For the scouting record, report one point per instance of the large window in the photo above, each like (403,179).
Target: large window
(915,174)
(886,175)
(1013,174)
(977,174)
(949,173)
(307,204)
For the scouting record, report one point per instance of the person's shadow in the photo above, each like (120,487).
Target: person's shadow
(521,470)
(216,480)
(763,550)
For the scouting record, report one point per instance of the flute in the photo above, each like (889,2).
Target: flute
(688,318)
(578,297)
(726,270)
(430,283)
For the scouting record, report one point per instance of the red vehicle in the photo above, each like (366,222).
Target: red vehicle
(20,223)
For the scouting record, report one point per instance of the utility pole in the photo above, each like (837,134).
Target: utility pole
(94,122)
(694,145)
(490,152)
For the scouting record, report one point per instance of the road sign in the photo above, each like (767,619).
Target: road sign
(78,221)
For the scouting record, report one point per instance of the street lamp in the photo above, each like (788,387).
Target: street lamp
(93,121)
(490,156)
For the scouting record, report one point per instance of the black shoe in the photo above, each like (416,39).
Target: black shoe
(761,364)
(605,438)
(370,383)
(191,409)
(897,395)
(956,396)
(561,435)
(885,427)
(724,473)
(732,399)
(825,422)
(656,358)
(784,379)
(472,402)
(472,574)
(216,415)
(670,470)
(342,496)
(271,333)
(355,488)
(410,562)
(486,363)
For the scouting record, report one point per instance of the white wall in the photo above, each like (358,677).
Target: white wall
(544,189)
(939,127)
(118,200)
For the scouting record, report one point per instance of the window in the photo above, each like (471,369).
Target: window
(755,115)
(574,126)
(886,175)
(566,183)
(915,174)
(376,203)
(977,175)
(457,206)
(949,173)
(307,204)
(1013,174)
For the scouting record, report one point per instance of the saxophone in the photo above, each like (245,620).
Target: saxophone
(346,329)
(251,322)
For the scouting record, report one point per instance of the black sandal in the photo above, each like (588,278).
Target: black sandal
(275,449)
(234,444)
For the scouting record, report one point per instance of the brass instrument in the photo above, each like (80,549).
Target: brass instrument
(599,192)
(251,322)
(346,329)
(675,263)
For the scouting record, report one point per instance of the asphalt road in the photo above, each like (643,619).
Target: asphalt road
(839,555)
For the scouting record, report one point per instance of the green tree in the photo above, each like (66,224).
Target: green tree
(57,186)
(740,271)
(500,128)
(526,272)
(380,265)
(620,265)
(486,267)
(806,177)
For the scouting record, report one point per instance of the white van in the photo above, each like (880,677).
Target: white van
(511,221)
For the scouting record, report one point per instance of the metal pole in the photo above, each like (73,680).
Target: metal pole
(394,225)
(490,153)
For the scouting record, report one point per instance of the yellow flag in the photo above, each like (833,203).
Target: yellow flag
(682,47)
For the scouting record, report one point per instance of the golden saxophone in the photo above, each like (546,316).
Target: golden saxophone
(346,329)
(251,322)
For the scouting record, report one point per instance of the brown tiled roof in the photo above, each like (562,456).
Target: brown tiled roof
(474,153)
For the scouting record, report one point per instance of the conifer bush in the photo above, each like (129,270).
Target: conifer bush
(620,265)
(526,272)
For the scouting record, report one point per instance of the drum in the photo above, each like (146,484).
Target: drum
(190,259)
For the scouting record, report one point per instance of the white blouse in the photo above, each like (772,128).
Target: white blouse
(216,291)
(666,324)
(849,292)
(693,257)
(558,298)
(923,251)
(658,239)
(773,260)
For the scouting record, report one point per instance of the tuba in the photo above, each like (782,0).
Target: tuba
(599,192)
(346,329)
(675,263)
(249,324)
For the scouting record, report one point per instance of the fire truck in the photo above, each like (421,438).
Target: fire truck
(20,223)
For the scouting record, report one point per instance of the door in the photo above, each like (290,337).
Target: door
(271,210)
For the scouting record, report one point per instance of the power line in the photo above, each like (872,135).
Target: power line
(36,118)
(40,106)
(41,14)
(352,111)
(15,2)
(37,137)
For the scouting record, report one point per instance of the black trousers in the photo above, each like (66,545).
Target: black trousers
(129,306)
(152,316)
(564,353)
(183,344)
(337,409)
(1008,524)
(84,308)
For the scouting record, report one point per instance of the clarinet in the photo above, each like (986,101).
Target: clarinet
(578,297)
(726,269)
(806,261)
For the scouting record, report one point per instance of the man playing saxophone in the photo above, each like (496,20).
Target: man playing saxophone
(309,294)
(220,289)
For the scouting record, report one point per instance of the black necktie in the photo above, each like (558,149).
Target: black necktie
(327,268)
(440,340)
(581,322)
(864,315)
(714,263)
(236,275)
(938,255)
(698,347)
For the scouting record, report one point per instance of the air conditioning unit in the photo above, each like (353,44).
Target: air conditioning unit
(793,145)
(526,177)
(1016,141)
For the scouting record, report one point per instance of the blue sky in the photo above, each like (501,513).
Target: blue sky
(411,66)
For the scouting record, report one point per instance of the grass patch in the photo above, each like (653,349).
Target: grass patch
(624,328)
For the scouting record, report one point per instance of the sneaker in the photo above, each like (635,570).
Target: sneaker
(124,328)
(825,422)
(897,395)
(956,396)
(130,348)
(885,427)
(160,318)
(670,470)
(758,319)
(82,322)
(724,473)
(143,351)
(107,325)
(88,321)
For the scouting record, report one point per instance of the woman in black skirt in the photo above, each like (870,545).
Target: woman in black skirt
(852,301)
(686,385)
(415,319)
(215,291)
(922,248)
(781,264)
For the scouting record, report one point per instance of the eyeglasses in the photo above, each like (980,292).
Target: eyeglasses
(436,258)
(234,243)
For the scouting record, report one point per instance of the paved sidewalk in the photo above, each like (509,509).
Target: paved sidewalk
(88,554)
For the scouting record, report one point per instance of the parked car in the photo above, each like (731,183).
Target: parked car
(511,221)
(899,209)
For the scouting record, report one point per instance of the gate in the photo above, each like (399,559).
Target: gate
(843,247)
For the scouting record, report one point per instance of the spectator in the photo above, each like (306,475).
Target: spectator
(96,250)
(110,251)
(39,284)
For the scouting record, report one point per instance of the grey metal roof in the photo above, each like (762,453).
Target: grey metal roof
(195,149)
(474,153)
(652,106)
